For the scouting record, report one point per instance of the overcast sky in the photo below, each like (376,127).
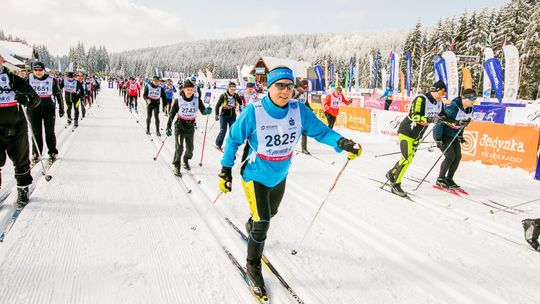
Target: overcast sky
(129,24)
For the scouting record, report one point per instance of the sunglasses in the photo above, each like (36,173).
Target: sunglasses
(442,91)
(37,70)
(282,86)
(471,98)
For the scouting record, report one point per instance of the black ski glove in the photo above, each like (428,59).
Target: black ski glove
(225,181)
(464,122)
(350,146)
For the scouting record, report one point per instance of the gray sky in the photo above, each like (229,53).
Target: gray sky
(129,24)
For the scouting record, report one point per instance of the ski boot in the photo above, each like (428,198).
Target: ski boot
(158,133)
(186,165)
(396,189)
(443,183)
(76,124)
(35,160)
(532,231)
(452,184)
(306,152)
(177,171)
(147,132)
(256,281)
(22,196)
(52,158)
(390,177)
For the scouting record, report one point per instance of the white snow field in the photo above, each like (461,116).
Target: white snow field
(114,226)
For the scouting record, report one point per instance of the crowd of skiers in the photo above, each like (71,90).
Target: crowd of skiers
(29,104)
(269,127)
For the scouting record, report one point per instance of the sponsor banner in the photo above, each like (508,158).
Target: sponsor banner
(491,113)
(501,145)
(373,103)
(511,73)
(493,69)
(452,77)
(404,105)
(358,119)
(353,118)
(537,175)
(386,122)
(315,98)
(523,116)
(318,111)
(486,91)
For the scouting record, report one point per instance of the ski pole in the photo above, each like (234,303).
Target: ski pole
(194,227)
(294,251)
(161,147)
(438,159)
(413,151)
(44,172)
(394,153)
(204,140)
(492,211)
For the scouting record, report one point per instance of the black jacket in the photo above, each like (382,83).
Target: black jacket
(184,126)
(74,97)
(222,101)
(153,102)
(24,94)
(57,93)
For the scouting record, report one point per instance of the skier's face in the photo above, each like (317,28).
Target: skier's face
(38,72)
(188,92)
(280,93)
(249,91)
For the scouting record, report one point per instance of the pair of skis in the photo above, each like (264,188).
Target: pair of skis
(465,195)
(266,263)
(18,210)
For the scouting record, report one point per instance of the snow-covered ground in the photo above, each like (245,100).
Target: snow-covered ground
(114,226)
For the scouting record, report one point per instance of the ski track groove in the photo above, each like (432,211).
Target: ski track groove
(165,159)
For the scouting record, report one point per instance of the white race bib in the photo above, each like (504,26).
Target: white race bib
(154,93)
(7,98)
(277,137)
(187,110)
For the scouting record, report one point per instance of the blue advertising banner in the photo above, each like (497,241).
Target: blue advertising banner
(319,73)
(537,175)
(494,71)
(491,113)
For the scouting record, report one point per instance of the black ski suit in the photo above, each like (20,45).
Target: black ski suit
(14,92)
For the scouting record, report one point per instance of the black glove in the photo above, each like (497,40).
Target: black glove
(225,182)
(440,145)
(461,139)
(350,146)
(464,122)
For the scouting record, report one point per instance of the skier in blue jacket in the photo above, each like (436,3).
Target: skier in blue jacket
(272,128)
(458,115)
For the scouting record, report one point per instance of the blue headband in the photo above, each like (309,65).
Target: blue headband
(278,74)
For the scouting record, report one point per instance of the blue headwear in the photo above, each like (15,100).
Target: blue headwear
(279,73)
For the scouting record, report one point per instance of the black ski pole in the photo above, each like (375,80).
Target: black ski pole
(438,159)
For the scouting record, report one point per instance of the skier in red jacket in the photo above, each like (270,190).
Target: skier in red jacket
(331,106)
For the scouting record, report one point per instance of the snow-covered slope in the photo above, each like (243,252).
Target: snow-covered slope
(113,225)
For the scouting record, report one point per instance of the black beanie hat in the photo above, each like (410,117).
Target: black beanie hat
(188,84)
(437,86)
